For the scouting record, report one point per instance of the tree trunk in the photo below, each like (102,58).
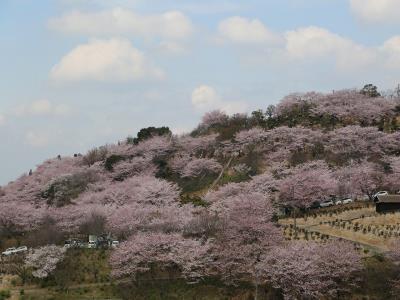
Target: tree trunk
(256,295)
(222,172)
(294,222)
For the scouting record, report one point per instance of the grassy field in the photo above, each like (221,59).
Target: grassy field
(374,283)
(84,274)
(358,223)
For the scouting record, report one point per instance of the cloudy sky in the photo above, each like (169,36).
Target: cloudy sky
(80,73)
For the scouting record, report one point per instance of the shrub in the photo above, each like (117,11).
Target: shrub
(195,200)
(5,294)
(95,155)
(147,133)
(62,190)
(112,160)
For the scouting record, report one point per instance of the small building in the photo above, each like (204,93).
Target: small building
(388,203)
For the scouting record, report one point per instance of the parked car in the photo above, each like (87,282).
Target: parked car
(14,250)
(327,203)
(381,193)
(347,201)
(9,251)
(338,202)
(315,205)
(74,243)
(102,241)
(21,249)
(92,244)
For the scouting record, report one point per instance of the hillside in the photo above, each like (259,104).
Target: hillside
(205,212)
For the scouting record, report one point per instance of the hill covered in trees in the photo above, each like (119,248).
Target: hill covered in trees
(204,206)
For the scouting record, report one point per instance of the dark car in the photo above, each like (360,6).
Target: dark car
(315,205)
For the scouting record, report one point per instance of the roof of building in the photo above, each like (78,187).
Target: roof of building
(389,199)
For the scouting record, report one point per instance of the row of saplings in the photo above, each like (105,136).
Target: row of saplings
(334,211)
(292,233)
(385,231)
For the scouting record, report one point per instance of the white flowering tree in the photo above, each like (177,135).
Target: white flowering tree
(44,260)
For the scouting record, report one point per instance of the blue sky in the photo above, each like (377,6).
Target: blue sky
(80,73)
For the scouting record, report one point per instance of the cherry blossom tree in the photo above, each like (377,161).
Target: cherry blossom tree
(390,143)
(138,203)
(137,189)
(201,167)
(247,232)
(264,183)
(27,189)
(153,147)
(355,142)
(306,184)
(70,218)
(284,142)
(308,270)
(64,189)
(198,145)
(44,260)
(346,107)
(252,136)
(138,165)
(296,103)
(17,217)
(393,177)
(365,178)
(215,117)
(138,254)
(295,138)
(226,191)
(179,162)
(351,107)
(131,218)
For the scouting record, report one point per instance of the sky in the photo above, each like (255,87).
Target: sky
(75,74)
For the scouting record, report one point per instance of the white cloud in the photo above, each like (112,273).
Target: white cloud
(376,11)
(36,139)
(42,107)
(105,60)
(315,42)
(117,21)
(310,46)
(245,31)
(391,50)
(211,7)
(2,120)
(171,47)
(206,98)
